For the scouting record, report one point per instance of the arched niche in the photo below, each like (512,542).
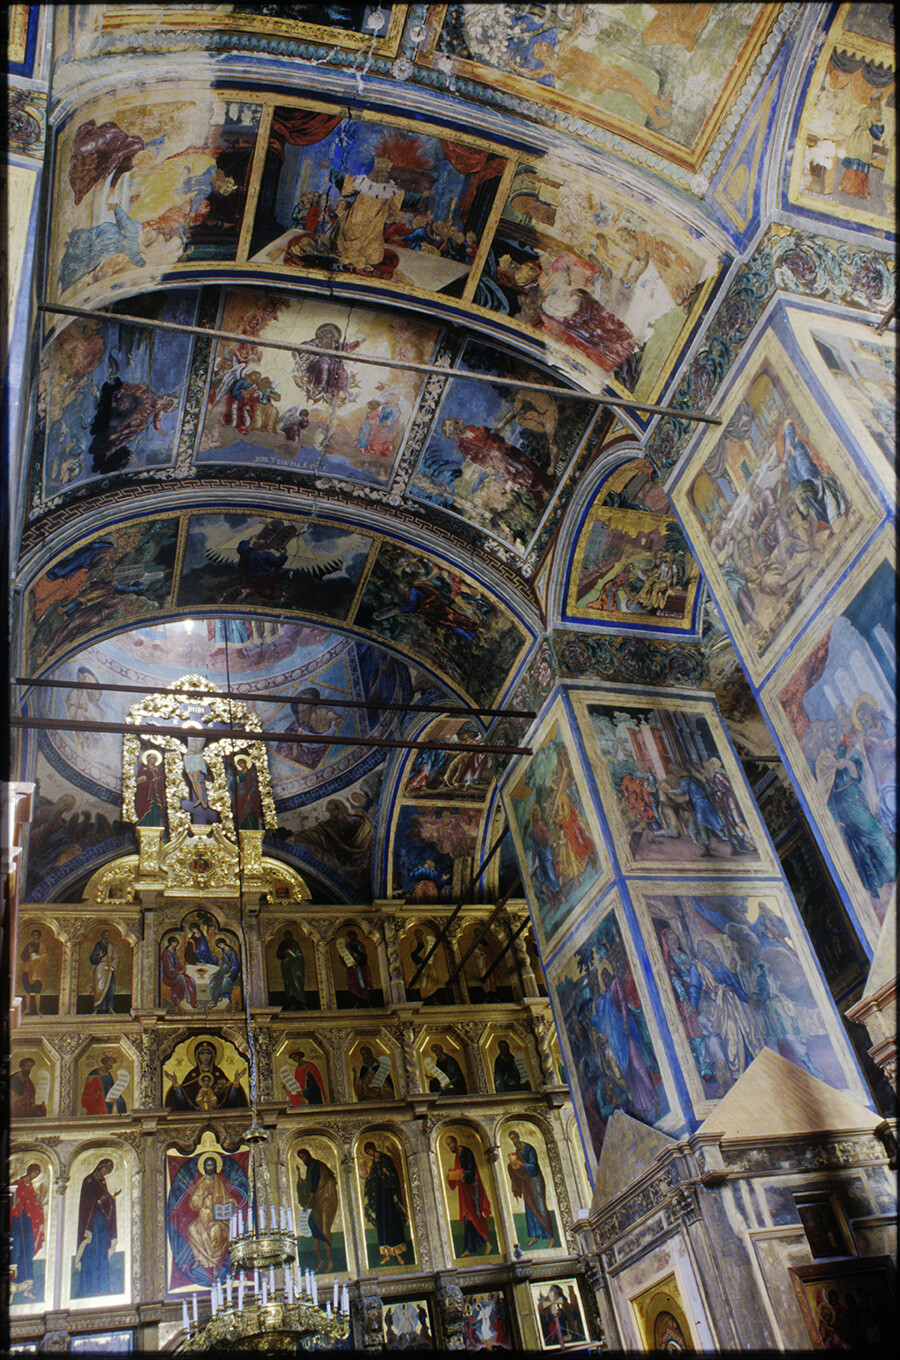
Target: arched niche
(385,1202)
(105,959)
(433,982)
(301,1068)
(509,1061)
(372,1069)
(33,1200)
(99,1228)
(356,966)
(313,1165)
(39,967)
(468,1191)
(105,1078)
(200,968)
(528,1185)
(292,976)
(444,1064)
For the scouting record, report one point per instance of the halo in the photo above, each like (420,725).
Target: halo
(207,1039)
(857,705)
(204,1156)
(145,756)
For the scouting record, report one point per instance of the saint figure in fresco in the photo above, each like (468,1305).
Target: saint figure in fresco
(324,377)
(293,971)
(385,1204)
(368,202)
(150,790)
(373,1081)
(454,1083)
(104,960)
(248,814)
(317,1192)
(227,975)
(311,1088)
(474,1205)
(527,1181)
(428,982)
(507,1076)
(174,975)
(34,959)
(97,1232)
(206,1087)
(358,972)
(95,1097)
(23,1102)
(488,449)
(26,1233)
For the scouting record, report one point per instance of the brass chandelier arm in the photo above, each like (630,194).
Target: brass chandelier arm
(379,362)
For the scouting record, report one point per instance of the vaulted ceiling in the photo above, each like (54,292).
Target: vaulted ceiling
(559,196)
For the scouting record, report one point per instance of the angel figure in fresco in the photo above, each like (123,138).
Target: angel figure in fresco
(528,1185)
(537,412)
(174,975)
(26,1232)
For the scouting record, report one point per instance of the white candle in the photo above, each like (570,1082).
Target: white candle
(289,1286)
(184,1315)
(256,1280)
(240,1293)
(315,1285)
(212,1300)
(265,1294)
(194,1301)
(228,1288)
(328,1311)
(272,1280)
(345,1300)
(272,1216)
(283,1219)
(306,1288)
(335,1300)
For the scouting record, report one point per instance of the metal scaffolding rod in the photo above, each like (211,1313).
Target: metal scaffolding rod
(484,930)
(523,925)
(459,906)
(282,699)
(380,362)
(302,739)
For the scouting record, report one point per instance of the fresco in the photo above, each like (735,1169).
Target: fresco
(112,579)
(303,1071)
(355,969)
(670,785)
(560,1314)
(529,1185)
(834,706)
(860,366)
(111,394)
(555,840)
(205,1072)
(487,969)
(291,969)
(203,1192)
(338,831)
(372,1075)
(145,184)
(32,1232)
(408,1326)
(347,26)
(576,260)
(255,560)
(845,152)
(834,942)
(663,74)
(507,1062)
(486,1322)
(495,452)
(38,968)
(299,412)
(433,851)
(469,1193)
(200,966)
(776,507)
(443,1066)
(429,968)
(383,1184)
(734,975)
(104,1080)
(382,200)
(98,1229)
(33,1090)
(318,1209)
(447,774)
(613,1061)
(631,563)
(422,606)
(104,971)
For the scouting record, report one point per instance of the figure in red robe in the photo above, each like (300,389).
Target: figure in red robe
(474,1205)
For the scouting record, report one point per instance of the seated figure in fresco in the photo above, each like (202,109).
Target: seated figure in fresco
(206,1087)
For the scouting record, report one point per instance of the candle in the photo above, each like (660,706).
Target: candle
(307,1289)
(328,1310)
(315,1287)
(289,1286)
(272,1280)
(228,1289)
(272,1216)
(283,1219)
(265,1294)
(194,1301)
(184,1315)
(345,1300)
(240,1293)
(212,1300)
(256,1280)
(335,1300)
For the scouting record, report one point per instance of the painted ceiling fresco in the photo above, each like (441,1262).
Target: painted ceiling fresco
(432,238)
